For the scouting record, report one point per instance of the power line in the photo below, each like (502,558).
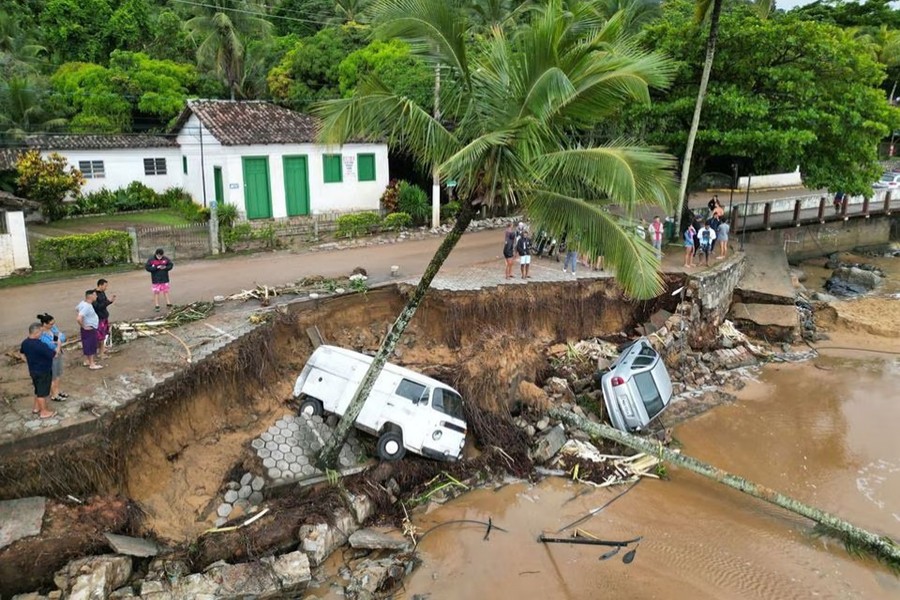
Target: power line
(253,12)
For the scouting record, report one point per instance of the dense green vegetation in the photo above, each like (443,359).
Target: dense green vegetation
(808,87)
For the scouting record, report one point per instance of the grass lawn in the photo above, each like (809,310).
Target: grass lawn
(42,276)
(101,222)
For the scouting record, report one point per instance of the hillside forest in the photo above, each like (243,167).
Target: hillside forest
(812,86)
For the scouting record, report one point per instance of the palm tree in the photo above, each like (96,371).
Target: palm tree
(220,31)
(885,45)
(636,13)
(703,8)
(18,52)
(510,135)
(351,11)
(21,111)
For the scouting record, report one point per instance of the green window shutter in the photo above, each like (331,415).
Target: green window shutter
(333,168)
(184,164)
(365,166)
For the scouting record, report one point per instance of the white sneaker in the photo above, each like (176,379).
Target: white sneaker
(565,270)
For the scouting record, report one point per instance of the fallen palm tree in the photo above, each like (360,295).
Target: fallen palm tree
(854,538)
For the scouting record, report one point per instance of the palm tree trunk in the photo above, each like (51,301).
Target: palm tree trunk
(893,91)
(698,108)
(882,547)
(329,456)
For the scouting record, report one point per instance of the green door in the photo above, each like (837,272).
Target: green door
(220,189)
(296,185)
(257,193)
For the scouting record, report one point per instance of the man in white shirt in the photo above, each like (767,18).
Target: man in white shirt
(88,321)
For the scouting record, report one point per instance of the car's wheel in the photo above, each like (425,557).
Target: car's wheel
(311,407)
(390,446)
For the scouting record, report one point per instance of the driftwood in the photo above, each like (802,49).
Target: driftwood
(855,538)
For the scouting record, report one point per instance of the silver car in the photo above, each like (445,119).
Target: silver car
(637,388)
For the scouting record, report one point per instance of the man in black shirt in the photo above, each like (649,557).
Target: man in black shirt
(39,357)
(101,307)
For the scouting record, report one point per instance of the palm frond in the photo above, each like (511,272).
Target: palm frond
(627,175)
(435,30)
(597,232)
(375,113)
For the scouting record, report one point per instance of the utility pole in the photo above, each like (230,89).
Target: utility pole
(746,208)
(435,177)
(213,208)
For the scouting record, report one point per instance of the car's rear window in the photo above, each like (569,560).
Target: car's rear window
(649,393)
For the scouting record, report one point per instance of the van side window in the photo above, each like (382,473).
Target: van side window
(641,361)
(412,391)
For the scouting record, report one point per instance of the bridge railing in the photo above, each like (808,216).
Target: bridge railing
(813,208)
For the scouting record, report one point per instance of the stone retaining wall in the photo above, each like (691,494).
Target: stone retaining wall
(708,297)
(815,240)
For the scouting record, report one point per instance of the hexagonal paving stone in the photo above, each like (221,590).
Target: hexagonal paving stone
(285,448)
(266,436)
(257,483)
(274,473)
(277,454)
(245,490)
(296,468)
(231,496)
(258,443)
(315,446)
(308,470)
(269,463)
(246,478)
(263,453)
(280,423)
(283,465)
(303,460)
(278,438)
(273,445)
(224,509)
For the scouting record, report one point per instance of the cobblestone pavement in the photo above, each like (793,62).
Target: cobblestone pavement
(288,450)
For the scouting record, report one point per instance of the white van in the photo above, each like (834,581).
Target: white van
(405,410)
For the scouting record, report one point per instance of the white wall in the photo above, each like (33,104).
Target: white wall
(349,195)
(124,165)
(773,181)
(14,245)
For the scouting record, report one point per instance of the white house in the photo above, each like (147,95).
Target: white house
(13,240)
(263,159)
(114,161)
(260,157)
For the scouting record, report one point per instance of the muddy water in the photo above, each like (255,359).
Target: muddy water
(820,435)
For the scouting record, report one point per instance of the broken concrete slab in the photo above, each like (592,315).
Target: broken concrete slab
(132,546)
(21,518)
(773,322)
(320,540)
(372,576)
(549,444)
(379,539)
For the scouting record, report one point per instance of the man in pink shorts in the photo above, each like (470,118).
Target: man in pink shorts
(159,266)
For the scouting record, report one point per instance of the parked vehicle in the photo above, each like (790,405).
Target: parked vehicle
(889,181)
(405,410)
(637,387)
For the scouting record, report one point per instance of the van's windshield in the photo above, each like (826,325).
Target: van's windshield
(448,403)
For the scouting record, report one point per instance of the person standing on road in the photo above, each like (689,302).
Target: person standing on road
(39,357)
(509,249)
(523,248)
(101,307)
(159,266)
(689,234)
(656,236)
(88,322)
(54,338)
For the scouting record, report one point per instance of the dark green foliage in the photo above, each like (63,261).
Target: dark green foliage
(82,251)
(356,224)
(397,220)
(413,201)
(136,196)
(449,210)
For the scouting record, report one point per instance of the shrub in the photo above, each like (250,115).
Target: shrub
(48,181)
(173,197)
(413,201)
(449,210)
(227,214)
(231,236)
(137,196)
(390,197)
(103,201)
(84,251)
(354,224)
(397,220)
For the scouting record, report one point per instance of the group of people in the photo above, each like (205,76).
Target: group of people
(517,243)
(43,348)
(702,236)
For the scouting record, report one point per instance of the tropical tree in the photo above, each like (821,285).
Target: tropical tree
(221,29)
(511,136)
(19,53)
(885,45)
(48,181)
(21,108)
(351,11)
(703,9)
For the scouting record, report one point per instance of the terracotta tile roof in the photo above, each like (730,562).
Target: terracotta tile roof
(75,141)
(240,123)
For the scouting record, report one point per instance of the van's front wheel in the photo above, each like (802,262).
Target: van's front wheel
(390,446)
(311,407)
